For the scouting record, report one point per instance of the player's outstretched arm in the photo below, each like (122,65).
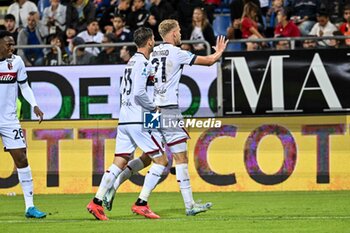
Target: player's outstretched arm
(219,48)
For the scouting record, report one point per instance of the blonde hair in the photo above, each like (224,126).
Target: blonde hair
(205,20)
(166,26)
(248,9)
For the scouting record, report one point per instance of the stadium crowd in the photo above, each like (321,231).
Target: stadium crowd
(69,23)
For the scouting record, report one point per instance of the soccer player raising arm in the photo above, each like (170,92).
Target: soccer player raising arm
(169,60)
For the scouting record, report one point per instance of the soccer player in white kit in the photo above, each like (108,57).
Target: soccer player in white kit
(131,134)
(170,60)
(12,75)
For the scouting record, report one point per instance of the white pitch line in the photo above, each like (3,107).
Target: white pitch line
(33,221)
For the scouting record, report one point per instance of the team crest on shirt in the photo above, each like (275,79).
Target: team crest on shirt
(9,65)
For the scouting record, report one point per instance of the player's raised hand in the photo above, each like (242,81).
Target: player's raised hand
(221,44)
(39,113)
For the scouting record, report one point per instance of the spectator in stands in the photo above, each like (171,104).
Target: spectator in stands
(310,43)
(159,11)
(282,44)
(20,9)
(33,34)
(72,20)
(323,27)
(54,17)
(108,55)
(337,43)
(236,9)
(249,25)
(86,12)
(271,17)
(285,26)
(51,59)
(10,25)
(121,7)
(185,11)
(335,9)
(92,35)
(121,32)
(345,27)
(82,57)
(200,30)
(304,14)
(126,52)
(139,15)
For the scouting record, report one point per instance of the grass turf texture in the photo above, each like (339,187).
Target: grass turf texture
(232,212)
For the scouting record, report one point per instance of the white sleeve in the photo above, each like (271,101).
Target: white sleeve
(21,73)
(141,96)
(185,57)
(28,93)
(314,30)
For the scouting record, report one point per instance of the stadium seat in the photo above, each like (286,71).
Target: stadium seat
(221,23)
(234,47)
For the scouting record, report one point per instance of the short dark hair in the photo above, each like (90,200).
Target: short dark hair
(90,21)
(287,11)
(322,12)
(120,16)
(132,50)
(32,13)
(4,33)
(10,17)
(141,35)
(346,7)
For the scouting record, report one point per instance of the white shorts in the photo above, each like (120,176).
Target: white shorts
(175,136)
(130,136)
(12,137)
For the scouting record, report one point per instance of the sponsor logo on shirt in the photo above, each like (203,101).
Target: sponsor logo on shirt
(8,77)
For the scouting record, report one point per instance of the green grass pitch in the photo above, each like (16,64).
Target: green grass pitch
(232,212)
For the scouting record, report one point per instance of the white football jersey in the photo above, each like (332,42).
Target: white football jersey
(133,85)
(12,72)
(170,60)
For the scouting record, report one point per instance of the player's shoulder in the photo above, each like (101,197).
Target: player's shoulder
(138,60)
(164,50)
(139,57)
(15,60)
(16,57)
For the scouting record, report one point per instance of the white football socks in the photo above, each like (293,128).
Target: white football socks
(135,165)
(151,180)
(107,180)
(183,178)
(26,180)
